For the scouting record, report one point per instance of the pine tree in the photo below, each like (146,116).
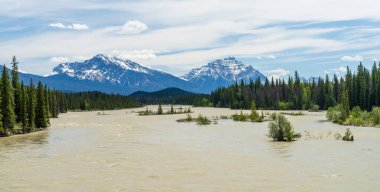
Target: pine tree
(23,108)
(47,106)
(159,110)
(40,120)
(7,102)
(31,106)
(345,105)
(16,88)
(54,105)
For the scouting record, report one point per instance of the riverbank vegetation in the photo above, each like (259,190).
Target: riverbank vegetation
(93,100)
(160,111)
(201,120)
(363,88)
(343,115)
(24,108)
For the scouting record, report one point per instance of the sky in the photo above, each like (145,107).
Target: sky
(277,37)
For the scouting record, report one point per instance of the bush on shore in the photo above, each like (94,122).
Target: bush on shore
(356,116)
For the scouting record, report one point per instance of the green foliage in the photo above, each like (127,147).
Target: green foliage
(284,105)
(84,105)
(280,128)
(376,115)
(203,120)
(7,103)
(336,114)
(147,111)
(345,106)
(159,110)
(293,113)
(16,88)
(254,115)
(31,107)
(172,96)
(357,117)
(93,100)
(348,136)
(314,108)
(41,119)
(26,106)
(23,108)
(189,118)
(355,89)
(239,117)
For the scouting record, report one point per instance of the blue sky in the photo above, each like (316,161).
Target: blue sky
(277,37)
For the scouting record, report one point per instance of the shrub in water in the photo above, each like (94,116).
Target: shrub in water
(348,135)
(280,129)
(240,117)
(203,120)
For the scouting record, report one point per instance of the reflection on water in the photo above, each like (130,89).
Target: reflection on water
(125,152)
(282,149)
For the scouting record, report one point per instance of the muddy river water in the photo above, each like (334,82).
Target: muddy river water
(121,151)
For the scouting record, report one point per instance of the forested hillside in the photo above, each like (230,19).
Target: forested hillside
(363,87)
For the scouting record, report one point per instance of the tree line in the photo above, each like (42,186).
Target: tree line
(94,100)
(362,88)
(26,108)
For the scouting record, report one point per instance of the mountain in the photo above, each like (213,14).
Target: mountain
(221,72)
(114,75)
(104,70)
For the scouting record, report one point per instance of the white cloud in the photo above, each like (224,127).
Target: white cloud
(277,73)
(143,54)
(67,59)
(266,57)
(59,59)
(78,26)
(133,27)
(74,26)
(352,58)
(339,71)
(57,25)
(193,32)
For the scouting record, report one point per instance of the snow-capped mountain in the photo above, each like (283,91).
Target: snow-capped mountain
(221,72)
(114,75)
(131,76)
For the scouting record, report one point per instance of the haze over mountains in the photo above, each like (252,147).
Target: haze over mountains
(114,75)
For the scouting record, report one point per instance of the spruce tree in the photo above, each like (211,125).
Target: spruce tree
(16,88)
(345,105)
(7,102)
(23,108)
(31,106)
(47,107)
(40,121)
(159,110)
(54,105)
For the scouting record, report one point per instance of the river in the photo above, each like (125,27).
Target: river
(121,151)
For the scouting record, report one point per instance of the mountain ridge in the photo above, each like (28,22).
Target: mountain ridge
(114,75)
